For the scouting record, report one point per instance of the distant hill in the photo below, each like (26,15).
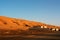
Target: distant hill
(7,23)
(21,26)
(21,29)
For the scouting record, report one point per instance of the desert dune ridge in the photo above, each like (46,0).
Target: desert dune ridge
(7,23)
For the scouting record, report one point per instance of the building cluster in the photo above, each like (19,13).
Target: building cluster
(44,27)
(52,29)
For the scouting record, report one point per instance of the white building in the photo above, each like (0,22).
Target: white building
(45,26)
(57,29)
(42,27)
(53,29)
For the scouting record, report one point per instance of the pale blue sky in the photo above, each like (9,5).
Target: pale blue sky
(46,11)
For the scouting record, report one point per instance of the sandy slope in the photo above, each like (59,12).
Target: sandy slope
(7,23)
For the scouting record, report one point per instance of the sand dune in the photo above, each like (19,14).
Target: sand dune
(7,23)
(21,29)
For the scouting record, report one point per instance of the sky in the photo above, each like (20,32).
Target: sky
(46,11)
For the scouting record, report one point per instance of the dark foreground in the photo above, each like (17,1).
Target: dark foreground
(43,36)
